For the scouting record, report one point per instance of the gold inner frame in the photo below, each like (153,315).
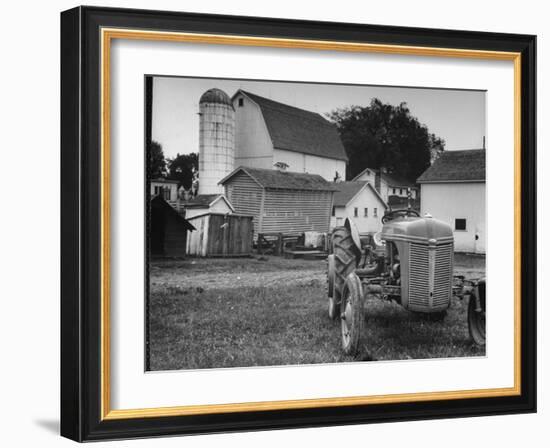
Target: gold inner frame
(107,35)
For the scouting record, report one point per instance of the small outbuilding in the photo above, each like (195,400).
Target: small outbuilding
(389,185)
(280,201)
(207,203)
(453,190)
(168,229)
(220,235)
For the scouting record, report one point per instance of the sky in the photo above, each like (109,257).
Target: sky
(457,116)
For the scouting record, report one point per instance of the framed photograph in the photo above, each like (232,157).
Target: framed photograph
(273,224)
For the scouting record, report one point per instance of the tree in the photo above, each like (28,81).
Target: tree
(383,135)
(180,168)
(157,161)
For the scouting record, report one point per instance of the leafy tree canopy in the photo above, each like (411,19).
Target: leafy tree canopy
(383,135)
(181,167)
(157,161)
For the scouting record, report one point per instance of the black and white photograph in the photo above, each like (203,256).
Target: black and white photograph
(302,223)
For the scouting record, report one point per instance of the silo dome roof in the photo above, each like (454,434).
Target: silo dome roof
(215,96)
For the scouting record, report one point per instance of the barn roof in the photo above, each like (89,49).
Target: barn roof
(299,130)
(456,166)
(348,190)
(159,202)
(284,180)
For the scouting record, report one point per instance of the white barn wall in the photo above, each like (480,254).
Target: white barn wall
(306,163)
(253,145)
(449,201)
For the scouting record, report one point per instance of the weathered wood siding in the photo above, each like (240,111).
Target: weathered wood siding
(290,211)
(308,163)
(220,235)
(197,240)
(246,195)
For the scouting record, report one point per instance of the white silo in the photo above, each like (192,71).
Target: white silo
(216,140)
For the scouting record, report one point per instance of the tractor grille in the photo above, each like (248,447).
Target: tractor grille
(430,276)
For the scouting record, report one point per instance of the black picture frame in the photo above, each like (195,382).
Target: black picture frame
(81,224)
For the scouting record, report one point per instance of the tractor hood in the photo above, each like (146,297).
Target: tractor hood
(419,230)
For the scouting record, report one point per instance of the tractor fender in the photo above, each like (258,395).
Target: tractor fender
(350,225)
(479,292)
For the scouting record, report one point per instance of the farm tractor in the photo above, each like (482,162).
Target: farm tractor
(410,262)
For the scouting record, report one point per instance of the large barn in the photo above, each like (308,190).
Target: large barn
(453,190)
(269,133)
(280,201)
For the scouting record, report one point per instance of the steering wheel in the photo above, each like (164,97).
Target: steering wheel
(399,213)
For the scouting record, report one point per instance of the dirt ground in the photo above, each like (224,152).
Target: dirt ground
(269,310)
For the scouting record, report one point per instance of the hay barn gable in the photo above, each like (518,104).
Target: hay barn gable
(268,132)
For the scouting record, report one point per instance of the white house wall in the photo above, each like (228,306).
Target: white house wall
(449,201)
(365,224)
(253,146)
(172,186)
(306,163)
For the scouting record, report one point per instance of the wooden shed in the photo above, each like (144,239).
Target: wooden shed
(168,229)
(281,201)
(220,235)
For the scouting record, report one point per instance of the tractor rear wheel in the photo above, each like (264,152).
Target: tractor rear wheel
(476,321)
(352,317)
(344,253)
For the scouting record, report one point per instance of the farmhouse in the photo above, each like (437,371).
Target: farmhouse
(168,229)
(459,175)
(166,188)
(388,184)
(207,203)
(361,202)
(269,133)
(280,201)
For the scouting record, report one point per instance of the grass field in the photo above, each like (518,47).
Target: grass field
(212,313)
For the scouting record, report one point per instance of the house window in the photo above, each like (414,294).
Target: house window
(375,212)
(166,193)
(460,224)
(333,211)
(241,102)
(400,191)
(356,212)
(366,212)
(393,190)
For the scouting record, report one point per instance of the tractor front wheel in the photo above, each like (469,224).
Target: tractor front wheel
(351,316)
(476,321)
(341,263)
